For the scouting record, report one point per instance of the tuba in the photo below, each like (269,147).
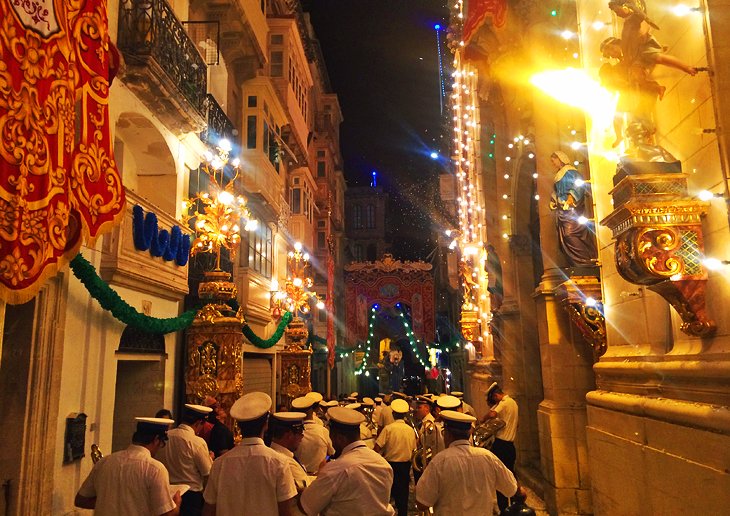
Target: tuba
(484,434)
(423,453)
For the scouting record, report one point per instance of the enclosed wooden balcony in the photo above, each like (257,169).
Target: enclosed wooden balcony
(162,64)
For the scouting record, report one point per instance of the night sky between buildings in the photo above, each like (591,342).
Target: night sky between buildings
(382,60)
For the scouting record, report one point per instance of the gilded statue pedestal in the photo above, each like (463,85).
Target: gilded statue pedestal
(657,227)
(295,361)
(581,297)
(215,346)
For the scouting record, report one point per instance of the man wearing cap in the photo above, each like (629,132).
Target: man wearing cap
(396,443)
(316,443)
(465,407)
(187,459)
(462,479)
(287,430)
(385,417)
(378,407)
(429,432)
(316,397)
(504,407)
(251,478)
(130,481)
(358,482)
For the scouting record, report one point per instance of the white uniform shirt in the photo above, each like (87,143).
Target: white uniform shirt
(317,419)
(249,479)
(186,457)
(468,409)
(315,446)
(376,413)
(129,482)
(462,480)
(434,439)
(357,483)
(301,479)
(385,417)
(397,442)
(507,411)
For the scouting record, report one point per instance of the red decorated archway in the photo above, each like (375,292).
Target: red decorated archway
(387,282)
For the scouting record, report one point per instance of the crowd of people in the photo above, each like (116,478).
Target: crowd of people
(349,457)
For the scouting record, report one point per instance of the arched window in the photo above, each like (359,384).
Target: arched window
(357,252)
(370,216)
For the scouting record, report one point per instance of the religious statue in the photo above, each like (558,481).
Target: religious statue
(396,368)
(384,372)
(568,201)
(636,54)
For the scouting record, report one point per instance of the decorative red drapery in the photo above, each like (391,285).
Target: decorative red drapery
(59,185)
(477,12)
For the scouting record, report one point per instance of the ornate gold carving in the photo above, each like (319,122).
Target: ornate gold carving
(205,386)
(581,298)
(388,264)
(295,373)
(295,335)
(659,243)
(470,324)
(217,287)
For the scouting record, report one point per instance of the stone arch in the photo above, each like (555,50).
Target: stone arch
(145,160)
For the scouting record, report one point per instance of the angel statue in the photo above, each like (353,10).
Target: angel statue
(635,55)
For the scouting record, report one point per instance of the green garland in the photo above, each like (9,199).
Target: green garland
(110,300)
(271,341)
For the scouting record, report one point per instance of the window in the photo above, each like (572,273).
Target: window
(277,39)
(321,240)
(261,250)
(321,169)
(357,217)
(296,200)
(370,216)
(277,64)
(251,132)
(321,223)
(252,101)
(357,252)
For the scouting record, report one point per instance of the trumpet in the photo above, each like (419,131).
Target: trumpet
(485,434)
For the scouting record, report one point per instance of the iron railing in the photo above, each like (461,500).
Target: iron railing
(219,125)
(150,29)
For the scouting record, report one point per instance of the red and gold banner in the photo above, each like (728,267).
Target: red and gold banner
(59,185)
(477,11)
(330,310)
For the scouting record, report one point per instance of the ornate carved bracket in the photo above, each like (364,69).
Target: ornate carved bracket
(659,243)
(581,298)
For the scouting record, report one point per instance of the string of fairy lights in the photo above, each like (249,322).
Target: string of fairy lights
(465,143)
(412,340)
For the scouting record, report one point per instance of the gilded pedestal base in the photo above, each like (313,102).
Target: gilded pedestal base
(659,243)
(581,298)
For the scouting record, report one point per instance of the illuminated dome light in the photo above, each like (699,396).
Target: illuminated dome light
(225,145)
(236,162)
(591,301)
(298,246)
(320,305)
(575,145)
(434,155)
(225,197)
(297,282)
(534,176)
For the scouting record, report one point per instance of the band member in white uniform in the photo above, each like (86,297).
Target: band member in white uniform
(462,479)
(316,444)
(187,458)
(251,478)
(357,483)
(130,481)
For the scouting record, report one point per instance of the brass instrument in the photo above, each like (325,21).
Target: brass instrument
(484,434)
(96,454)
(423,453)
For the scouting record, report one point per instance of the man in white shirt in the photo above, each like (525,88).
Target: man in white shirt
(396,443)
(385,417)
(131,481)
(316,397)
(462,479)
(358,483)
(429,432)
(187,458)
(465,407)
(287,431)
(316,443)
(505,408)
(251,478)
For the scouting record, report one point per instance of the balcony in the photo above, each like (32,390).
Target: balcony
(219,125)
(122,264)
(163,67)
